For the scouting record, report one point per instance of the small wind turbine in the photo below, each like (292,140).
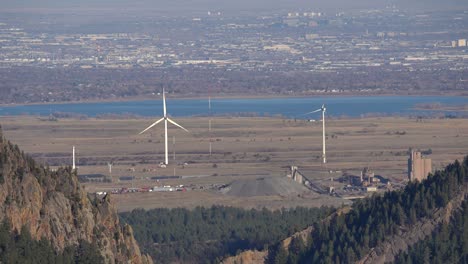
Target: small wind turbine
(165,119)
(73,165)
(322,109)
(109,165)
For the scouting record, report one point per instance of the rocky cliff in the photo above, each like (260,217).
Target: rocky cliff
(53,205)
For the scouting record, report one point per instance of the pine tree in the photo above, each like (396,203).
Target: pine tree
(281,255)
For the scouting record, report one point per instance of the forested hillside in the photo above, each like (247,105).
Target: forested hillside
(448,244)
(356,236)
(207,235)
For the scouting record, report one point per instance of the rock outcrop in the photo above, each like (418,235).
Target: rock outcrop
(53,205)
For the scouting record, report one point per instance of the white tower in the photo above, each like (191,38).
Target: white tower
(73,165)
(323,110)
(324,155)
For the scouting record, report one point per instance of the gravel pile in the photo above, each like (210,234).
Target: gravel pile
(264,187)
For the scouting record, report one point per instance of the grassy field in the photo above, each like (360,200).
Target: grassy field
(242,148)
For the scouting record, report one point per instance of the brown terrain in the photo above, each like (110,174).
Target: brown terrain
(250,156)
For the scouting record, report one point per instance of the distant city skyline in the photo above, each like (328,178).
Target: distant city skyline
(99,53)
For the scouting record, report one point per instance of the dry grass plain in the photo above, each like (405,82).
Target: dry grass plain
(242,148)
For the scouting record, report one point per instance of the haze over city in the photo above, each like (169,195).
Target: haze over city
(184,6)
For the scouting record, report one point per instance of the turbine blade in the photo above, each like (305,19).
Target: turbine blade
(318,110)
(152,125)
(175,124)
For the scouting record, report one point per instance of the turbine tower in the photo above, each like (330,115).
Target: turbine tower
(165,119)
(323,110)
(73,165)
(324,154)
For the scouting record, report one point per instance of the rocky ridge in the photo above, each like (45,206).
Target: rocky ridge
(53,205)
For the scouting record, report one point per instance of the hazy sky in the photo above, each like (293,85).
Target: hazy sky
(228,5)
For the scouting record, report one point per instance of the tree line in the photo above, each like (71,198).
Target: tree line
(207,235)
(41,84)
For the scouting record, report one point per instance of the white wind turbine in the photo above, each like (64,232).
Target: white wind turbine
(323,109)
(165,119)
(73,165)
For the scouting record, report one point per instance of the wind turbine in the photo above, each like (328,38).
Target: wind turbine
(322,109)
(109,165)
(165,119)
(73,165)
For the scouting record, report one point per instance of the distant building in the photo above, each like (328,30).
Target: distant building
(454,43)
(311,36)
(296,175)
(462,43)
(418,167)
(93,178)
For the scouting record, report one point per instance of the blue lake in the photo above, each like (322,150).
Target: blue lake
(355,106)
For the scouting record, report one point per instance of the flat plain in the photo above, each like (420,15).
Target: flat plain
(244,149)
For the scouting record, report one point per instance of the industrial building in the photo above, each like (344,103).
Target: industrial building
(418,167)
(296,175)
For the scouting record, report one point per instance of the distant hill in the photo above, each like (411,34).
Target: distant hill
(46,217)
